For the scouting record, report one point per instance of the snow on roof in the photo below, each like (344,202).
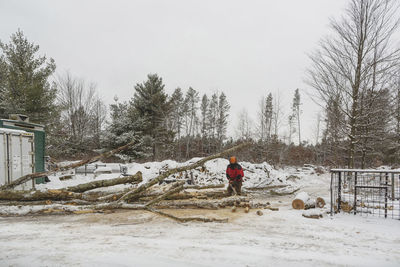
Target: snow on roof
(7,130)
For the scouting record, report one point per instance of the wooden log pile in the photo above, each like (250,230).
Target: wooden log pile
(303,201)
(147,196)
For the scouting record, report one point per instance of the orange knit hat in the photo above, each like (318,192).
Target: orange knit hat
(232,160)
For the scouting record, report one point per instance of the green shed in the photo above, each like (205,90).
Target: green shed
(21,122)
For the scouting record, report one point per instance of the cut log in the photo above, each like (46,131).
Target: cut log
(312,216)
(300,201)
(31,176)
(133,179)
(271,208)
(133,195)
(320,202)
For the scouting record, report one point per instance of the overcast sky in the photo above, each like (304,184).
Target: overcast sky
(243,48)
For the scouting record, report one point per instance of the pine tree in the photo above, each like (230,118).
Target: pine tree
(123,128)
(333,135)
(268,116)
(177,112)
(190,106)
(222,119)
(212,115)
(25,80)
(296,112)
(151,106)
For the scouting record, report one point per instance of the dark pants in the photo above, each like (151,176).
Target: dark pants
(238,187)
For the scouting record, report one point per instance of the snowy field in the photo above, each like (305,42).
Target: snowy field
(140,238)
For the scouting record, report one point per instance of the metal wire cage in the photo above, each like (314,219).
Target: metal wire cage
(366,192)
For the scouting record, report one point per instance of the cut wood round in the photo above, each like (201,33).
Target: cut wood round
(300,201)
(320,202)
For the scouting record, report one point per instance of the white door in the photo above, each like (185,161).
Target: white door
(3,159)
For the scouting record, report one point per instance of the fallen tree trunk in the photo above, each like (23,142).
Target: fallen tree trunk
(187,195)
(175,189)
(133,195)
(31,176)
(187,219)
(72,202)
(12,195)
(204,204)
(136,178)
(201,187)
(264,187)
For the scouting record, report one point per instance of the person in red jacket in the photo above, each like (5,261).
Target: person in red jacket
(234,173)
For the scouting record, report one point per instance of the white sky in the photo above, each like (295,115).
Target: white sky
(244,48)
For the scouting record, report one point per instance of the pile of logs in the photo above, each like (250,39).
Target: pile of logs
(303,201)
(81,199)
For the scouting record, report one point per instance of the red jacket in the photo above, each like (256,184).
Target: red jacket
(234,172)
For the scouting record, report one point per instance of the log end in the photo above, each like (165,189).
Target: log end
(298,204)
(320,202)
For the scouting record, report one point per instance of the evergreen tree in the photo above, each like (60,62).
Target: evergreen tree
(204,123)
(190,106)
(333,135)
(268,116)
(123,128)
(151,106)
(25,86)
(222,119)
(296,111)
(176,114)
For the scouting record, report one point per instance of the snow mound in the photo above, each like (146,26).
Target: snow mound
(212,172)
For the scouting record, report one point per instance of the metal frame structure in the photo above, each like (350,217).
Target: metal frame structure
(366,192)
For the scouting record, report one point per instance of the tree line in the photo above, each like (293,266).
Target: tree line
(354,74)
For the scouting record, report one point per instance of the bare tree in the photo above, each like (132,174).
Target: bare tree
(244,127)
(83,113)
(277,114)
(358,57)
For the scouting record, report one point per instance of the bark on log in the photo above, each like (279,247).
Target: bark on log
(136,178)
(201,187)
(312,216)
(187,195)
(264,187)
(133,195)
(204,204)
(12,195)
(300,201)
(320,202)
(31,176)
(175,189)
(73,202)
(187,219)
(275,193)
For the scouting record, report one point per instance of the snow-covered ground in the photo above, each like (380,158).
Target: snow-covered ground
(140,238)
